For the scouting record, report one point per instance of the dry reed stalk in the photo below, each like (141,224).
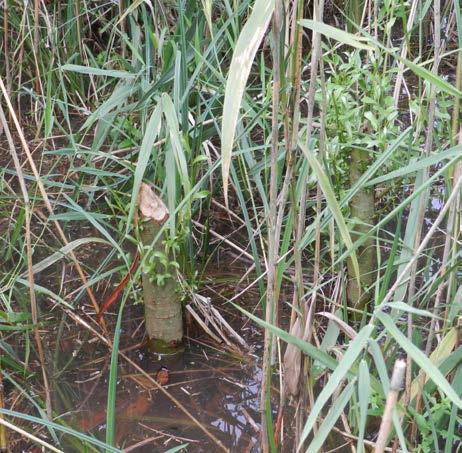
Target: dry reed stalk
(123,26)
(456,108)
(273,243)
(30,273)
(3,431)
(38,84)
(292,136)
(409,25)
(6,46)
(317,244)
(392,397)
(291,126)
(425,194)
(300,222)
(299,217)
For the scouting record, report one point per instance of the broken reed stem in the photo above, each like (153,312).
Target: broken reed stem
(396,384)
(46,200)
(273,243)
(30,273)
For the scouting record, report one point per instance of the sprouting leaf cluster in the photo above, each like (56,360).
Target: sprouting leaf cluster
(359,108)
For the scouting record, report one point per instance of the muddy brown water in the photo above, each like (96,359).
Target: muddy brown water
(219,387)
(220,391)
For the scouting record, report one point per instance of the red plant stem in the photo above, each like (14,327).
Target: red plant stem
(120,287)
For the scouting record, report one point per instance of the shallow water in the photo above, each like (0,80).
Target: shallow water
(219,388)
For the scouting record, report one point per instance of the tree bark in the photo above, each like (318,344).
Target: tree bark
(362,208)
(162,305)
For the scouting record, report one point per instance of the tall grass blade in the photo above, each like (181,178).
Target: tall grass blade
(328,191)
(331,418)
(364,393)
(246,47)
(418,164)
(87,70)
(150,136)
(62,252)
(335,33)
(354,349)
(62,428)
(419,358)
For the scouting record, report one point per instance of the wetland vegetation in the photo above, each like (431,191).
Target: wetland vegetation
(230,225)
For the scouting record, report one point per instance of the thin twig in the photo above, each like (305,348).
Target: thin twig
(3,432)
(142,443)
(29,435)
(423,244)
(409,25)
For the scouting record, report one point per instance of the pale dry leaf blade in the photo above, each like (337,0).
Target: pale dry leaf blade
(348,330)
